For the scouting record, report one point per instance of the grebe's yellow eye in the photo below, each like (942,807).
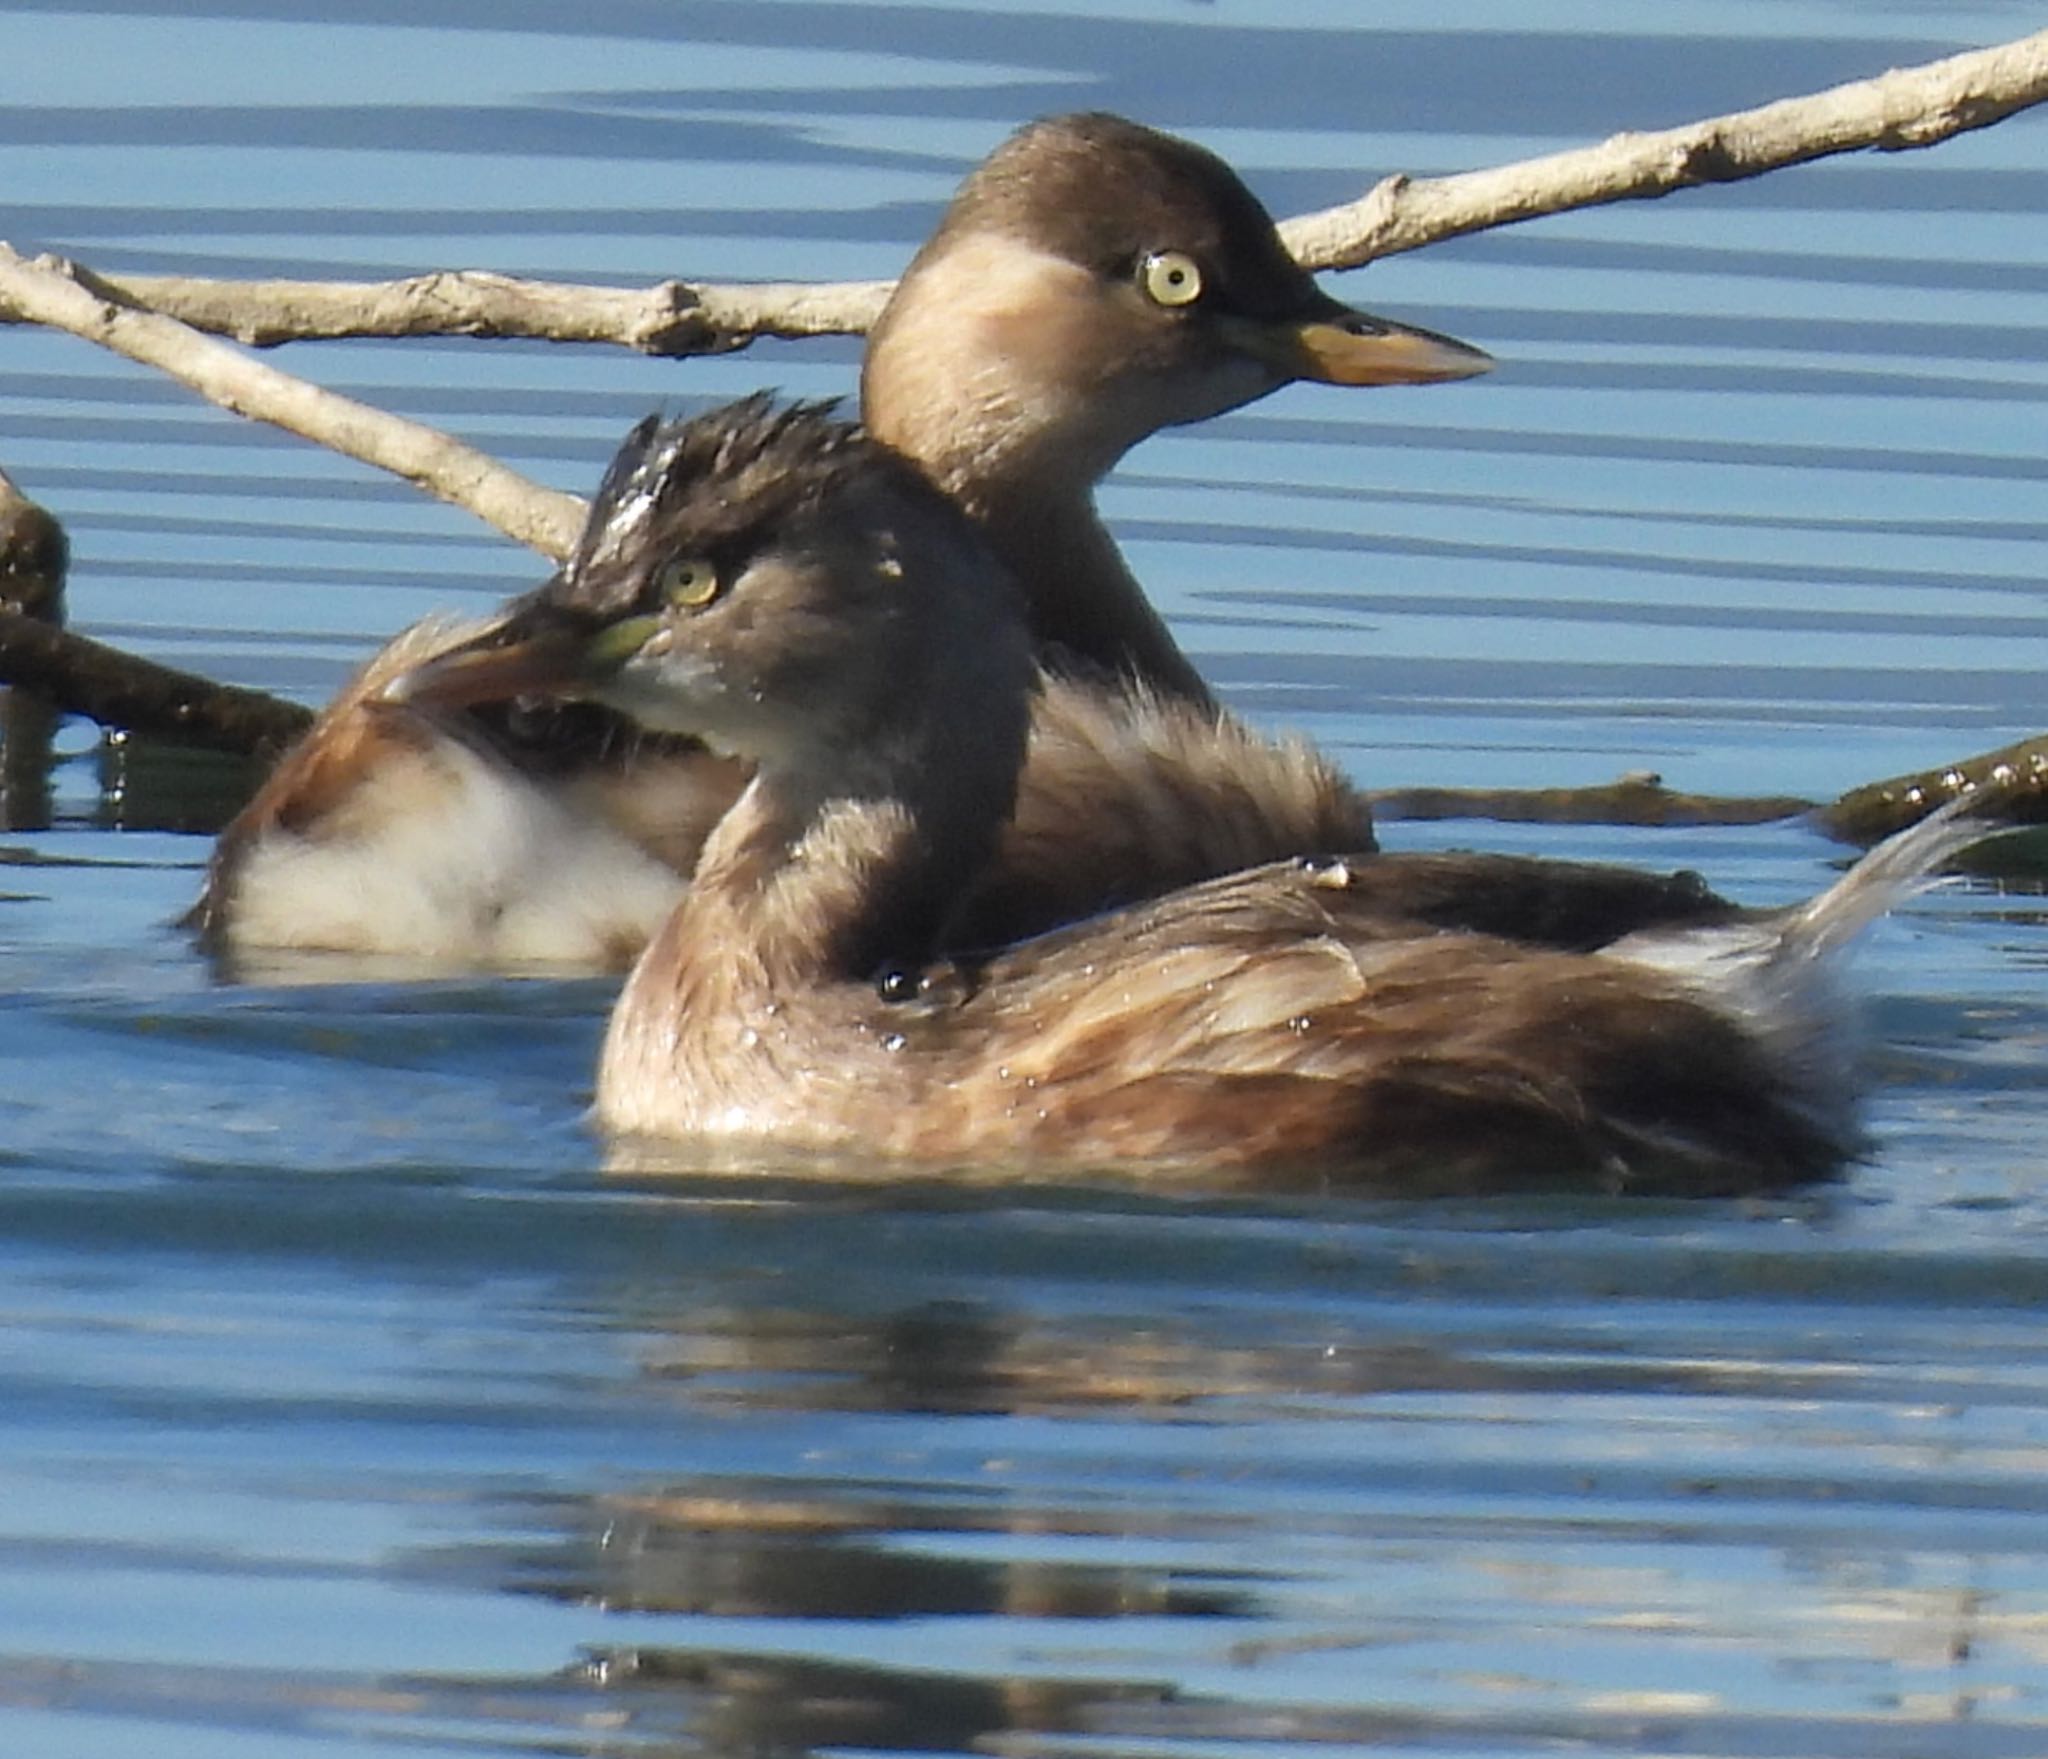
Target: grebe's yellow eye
(688,583)
(1170,278)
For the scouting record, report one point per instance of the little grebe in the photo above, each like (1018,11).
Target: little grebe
(773,583)
(1093,281)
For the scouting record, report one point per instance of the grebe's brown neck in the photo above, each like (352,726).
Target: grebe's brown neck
(851,856)
(968,376)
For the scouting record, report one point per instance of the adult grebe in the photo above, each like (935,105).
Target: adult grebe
(773,583)
(1092,282)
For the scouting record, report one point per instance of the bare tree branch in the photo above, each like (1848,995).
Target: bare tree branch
(1913,107)
(67,297)
(157,320)
(671,318)
(1909,107)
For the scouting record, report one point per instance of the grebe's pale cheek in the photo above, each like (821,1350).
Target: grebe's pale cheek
(667,690)
(727,711)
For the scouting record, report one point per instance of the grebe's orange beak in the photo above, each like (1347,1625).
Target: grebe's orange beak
(1338,344)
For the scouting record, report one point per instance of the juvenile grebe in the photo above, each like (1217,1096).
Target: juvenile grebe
(793,594)
(1092,281)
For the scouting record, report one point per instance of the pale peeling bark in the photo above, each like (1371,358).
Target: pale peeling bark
(672,318)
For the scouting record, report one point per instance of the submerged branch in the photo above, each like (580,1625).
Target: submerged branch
(34,554)
(2011,781)
(127,693)
(1632,800)
(50,673)
(2010,786)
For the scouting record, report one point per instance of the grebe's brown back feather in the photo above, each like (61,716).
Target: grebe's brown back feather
(1245,1024)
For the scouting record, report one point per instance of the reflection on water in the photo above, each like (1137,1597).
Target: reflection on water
(351,1408)
(1626,1480)
(772,1471)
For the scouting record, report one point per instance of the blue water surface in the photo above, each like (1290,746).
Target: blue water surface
(351,1408)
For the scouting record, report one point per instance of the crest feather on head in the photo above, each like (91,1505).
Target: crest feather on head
(708,481)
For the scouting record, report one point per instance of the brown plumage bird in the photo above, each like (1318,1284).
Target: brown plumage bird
(773,583)
(1093,281)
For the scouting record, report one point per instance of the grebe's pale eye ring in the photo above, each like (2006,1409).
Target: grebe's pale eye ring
(688,583)
(1170,278)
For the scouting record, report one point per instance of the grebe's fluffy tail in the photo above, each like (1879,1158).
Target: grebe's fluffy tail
(1780,971)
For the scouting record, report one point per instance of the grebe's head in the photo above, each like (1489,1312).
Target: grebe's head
(763,578)
(1095,280)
